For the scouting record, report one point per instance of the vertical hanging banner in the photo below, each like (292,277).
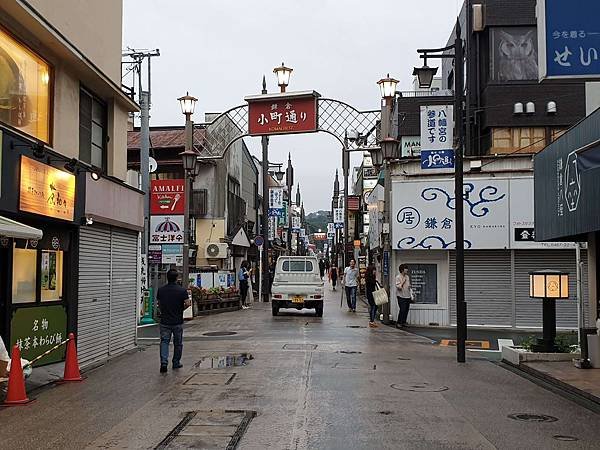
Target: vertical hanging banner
(338,217)
(272,228)
(275,202)
(437,135)
(330,230)
(295,224)
(293,112)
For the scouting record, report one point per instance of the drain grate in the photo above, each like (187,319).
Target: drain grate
(403,359)
(419,387)
(209,379)
(349,352)
(300,347)
(223,361)
(525,417)
(385,413)
(355,326)
(565,438)
(209,429)
(219,333)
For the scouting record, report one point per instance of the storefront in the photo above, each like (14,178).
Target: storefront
(500,252)
(40,210)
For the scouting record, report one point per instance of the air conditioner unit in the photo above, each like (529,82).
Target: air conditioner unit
(216,250)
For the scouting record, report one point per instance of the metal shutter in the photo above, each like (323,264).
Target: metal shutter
(488,287)
(123,290)
(94,294)
(529,311)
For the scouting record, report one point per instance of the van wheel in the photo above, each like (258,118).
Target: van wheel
(319,311)
(275,309)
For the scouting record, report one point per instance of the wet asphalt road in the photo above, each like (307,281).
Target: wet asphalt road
(312,384)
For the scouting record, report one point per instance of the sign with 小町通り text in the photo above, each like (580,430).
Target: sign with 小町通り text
(167,197)
(38,329)
(46,190)
(282,115)
(568,38)
(437,127)
(166,229)
(437,159)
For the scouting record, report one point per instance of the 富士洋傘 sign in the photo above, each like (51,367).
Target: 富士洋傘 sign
(282,114)
(166,229)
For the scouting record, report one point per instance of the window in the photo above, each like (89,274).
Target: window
(37,275)
(518,140)
(24,88)
(297,266)
(234,186)
(92,130)
(24,279)
(198,202)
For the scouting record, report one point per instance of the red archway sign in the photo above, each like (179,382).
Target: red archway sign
(287,113)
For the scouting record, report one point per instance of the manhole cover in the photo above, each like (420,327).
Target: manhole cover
(209,429)
(525,417)
(209,379)
(223,361)
(349,352)
(300,347)
(219,333)
(419,387)
(562,437)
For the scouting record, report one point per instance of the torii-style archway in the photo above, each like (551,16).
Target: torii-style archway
(330,116)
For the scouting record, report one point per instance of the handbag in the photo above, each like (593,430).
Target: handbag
(380,296)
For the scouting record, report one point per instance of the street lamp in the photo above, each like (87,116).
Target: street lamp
(283,76)
(191,166)
(278,174)
(425,75)
(548,285)
(381,158)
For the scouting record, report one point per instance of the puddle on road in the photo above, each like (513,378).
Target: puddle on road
(223,361)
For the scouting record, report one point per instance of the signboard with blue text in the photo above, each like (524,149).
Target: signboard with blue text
(437,159)
(568,38)
(437,127)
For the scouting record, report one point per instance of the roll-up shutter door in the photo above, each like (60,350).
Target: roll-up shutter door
(488,287)
(123,290)
(529,311)
(94,294)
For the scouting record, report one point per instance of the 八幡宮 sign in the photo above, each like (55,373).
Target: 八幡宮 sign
(437,127)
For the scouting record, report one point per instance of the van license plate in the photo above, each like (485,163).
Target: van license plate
(297,299)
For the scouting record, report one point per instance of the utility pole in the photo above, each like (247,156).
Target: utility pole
(289,179)
(346,170)
(265,209)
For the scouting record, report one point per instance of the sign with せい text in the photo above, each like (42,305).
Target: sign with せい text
(282,114)
(569,39)
(437,127)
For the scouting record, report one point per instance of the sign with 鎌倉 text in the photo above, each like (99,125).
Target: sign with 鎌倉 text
(282,114)
(568,38)
(437,127)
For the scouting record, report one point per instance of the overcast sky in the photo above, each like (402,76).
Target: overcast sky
(218,50)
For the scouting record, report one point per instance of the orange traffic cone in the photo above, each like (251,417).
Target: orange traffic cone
(71,364)
(16,394)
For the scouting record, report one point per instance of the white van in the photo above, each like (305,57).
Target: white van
(297,284)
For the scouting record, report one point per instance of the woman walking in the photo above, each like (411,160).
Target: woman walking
(371,286)
(244,275)
(403,295)
(333,274)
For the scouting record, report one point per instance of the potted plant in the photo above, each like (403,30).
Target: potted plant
(213,293)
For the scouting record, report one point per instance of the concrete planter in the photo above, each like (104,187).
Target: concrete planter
(516,356)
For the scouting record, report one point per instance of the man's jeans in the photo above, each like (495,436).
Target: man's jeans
(351,297)
(165,340)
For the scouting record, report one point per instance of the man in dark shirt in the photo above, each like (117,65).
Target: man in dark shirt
(172,300)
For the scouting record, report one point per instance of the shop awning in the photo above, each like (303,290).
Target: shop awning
(13,229)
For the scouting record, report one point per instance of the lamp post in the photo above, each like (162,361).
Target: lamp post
(548,285)
(425,76)
(381,157)
(190,162)
(283,76)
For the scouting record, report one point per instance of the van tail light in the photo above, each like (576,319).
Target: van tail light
(278,296)
(318,296)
